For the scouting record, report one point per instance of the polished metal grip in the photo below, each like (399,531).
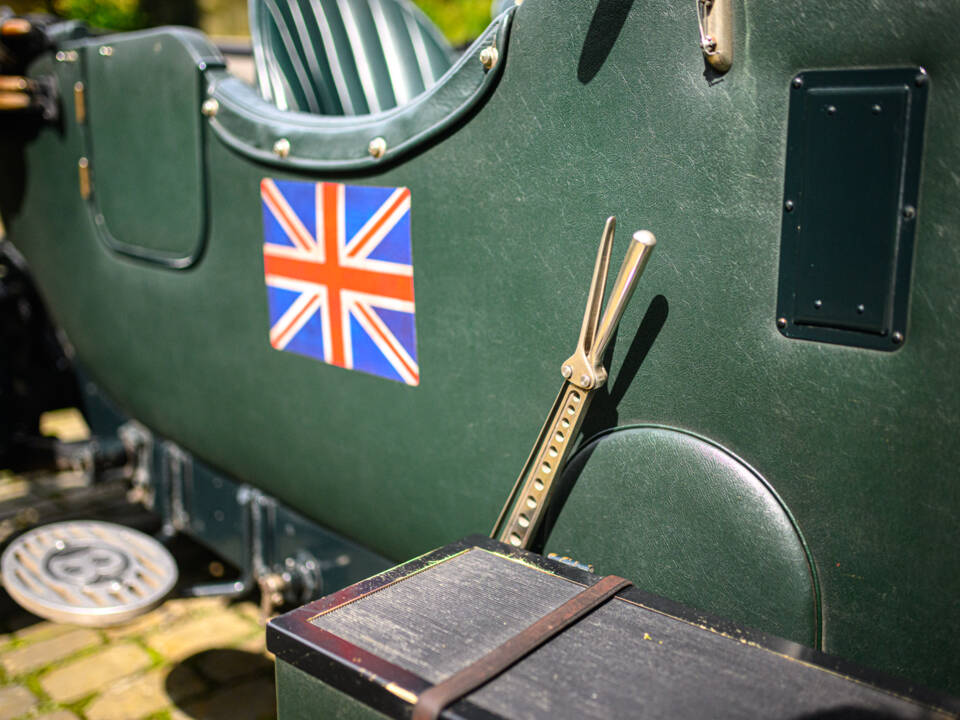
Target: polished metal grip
(638,254)
(584,373)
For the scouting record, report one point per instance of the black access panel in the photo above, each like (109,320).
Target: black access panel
(850,204)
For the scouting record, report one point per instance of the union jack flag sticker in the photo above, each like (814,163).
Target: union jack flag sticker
(339,272)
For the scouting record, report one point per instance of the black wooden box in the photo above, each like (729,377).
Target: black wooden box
(371,649)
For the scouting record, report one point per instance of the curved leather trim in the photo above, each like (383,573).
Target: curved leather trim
(590,444)
(251,125)
(197,45)
(205,56)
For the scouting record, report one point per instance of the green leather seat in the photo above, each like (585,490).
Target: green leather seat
(344,57)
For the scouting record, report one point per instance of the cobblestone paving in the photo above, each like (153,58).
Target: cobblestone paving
(189,659)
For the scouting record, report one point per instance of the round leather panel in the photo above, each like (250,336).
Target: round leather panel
(685,519)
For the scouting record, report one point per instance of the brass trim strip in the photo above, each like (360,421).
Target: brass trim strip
(79,103)
(83,171)
(14,83)
(16,26)
(402,693)
(14,101)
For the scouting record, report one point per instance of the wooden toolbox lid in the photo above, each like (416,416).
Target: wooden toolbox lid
(389,638)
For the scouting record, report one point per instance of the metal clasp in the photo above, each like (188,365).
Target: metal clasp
(584,372)
(715,22)
(585,367)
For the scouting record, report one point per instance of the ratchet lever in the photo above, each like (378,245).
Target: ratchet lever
(583,374)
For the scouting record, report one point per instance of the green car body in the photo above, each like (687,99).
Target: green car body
(809,489)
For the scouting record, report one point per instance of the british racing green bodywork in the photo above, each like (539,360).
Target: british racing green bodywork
(817,484)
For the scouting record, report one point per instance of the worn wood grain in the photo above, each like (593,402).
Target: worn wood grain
(623,660)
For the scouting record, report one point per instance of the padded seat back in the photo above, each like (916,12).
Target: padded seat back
(344,57)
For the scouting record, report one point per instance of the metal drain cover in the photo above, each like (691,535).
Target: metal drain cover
(87,573)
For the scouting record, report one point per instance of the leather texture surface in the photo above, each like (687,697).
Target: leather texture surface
(696,525)
(344,57)
(251,125)
(600,108)
(301,697)
(159,120)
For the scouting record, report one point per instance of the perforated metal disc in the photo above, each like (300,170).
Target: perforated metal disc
(87,573)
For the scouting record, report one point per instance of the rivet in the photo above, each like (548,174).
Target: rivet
(831,109)
(798,82)
(909,212)
(818,304)
(210,108)
(860,308)
(377,147)
(876,109)
(788,206)
(61,56)
(489,56)
(566,371)
(106,50)
(781,323)
(898,337)
(281,148)
(585,380)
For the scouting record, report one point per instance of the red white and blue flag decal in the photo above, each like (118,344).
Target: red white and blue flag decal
(339,273)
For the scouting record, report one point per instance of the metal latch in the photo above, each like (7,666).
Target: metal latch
(715,19)
(583,373)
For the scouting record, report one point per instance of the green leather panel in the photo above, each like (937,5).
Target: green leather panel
(250,125)
(693,523)
(507,208)
(302,697)
(149,198)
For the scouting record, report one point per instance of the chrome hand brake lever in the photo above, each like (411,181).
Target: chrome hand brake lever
(584,373)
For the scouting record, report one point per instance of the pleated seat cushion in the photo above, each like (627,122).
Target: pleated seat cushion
(344,57)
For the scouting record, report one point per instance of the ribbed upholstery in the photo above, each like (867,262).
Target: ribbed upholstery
(344,57)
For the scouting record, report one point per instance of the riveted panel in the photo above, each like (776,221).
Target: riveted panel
(850,205)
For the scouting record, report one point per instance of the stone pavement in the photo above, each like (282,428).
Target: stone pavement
(190,658)
(199,659)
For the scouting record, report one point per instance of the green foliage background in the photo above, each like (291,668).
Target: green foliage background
(460,20)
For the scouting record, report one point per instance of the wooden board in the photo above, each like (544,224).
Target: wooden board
(389,638)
